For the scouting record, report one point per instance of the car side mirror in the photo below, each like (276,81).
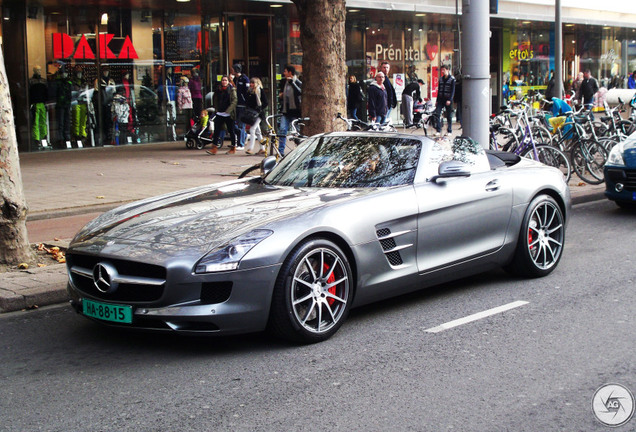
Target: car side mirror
(450,169)
(267,164)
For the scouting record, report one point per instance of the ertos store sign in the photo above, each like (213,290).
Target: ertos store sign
(83,48)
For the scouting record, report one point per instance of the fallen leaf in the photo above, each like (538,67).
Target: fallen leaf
(41,265)
(61,260)
(581,184)
(23,266)
(56,239)
(100,174)
(100,197)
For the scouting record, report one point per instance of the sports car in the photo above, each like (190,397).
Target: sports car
(344,220)
(620,173)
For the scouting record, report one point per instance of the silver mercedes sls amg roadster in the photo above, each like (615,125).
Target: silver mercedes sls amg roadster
(344,220)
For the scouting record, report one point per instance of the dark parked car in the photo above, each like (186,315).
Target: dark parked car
(620,173)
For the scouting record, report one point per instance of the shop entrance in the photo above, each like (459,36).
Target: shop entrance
(246,40)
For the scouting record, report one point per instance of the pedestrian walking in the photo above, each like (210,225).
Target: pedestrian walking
(589,87)
(377,100)
(391,98)
(256,101)
(631,82)
(290,91)
(445,95)
(224,101)
(242,85)
(354,97)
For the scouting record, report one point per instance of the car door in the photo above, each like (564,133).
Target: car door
(462,218)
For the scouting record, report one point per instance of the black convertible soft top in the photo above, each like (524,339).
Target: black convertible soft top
(499,159)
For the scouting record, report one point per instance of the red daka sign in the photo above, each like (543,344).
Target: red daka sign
(64,47)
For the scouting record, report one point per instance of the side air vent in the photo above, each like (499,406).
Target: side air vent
(390,246)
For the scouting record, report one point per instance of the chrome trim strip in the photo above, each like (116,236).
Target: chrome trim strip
(393,234)
(133,280)
(397,248)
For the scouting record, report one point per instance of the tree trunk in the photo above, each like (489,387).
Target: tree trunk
(322,36)
(14,243)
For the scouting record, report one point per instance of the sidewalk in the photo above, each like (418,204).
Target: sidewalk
(62,184)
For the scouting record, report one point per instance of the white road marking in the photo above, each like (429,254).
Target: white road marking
(475,317)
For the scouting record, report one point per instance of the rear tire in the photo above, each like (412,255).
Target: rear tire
(541,239)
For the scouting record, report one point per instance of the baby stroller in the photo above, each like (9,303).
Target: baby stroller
(202,131)
(424,115)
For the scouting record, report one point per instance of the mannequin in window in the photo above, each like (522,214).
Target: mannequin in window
(195,90)
(106,87)
(38,94)
(184,100)
(129,94)
(171,97)
(63,104)
(82,110)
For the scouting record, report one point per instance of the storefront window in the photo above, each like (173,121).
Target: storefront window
(527,59)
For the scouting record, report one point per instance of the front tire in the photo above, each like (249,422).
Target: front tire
(313,293)
(541,239)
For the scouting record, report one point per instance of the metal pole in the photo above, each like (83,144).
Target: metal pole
(475,62)
(558,50)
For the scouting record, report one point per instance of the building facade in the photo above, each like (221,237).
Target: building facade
(128,72)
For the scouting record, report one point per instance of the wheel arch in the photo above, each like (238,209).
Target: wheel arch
(557,197)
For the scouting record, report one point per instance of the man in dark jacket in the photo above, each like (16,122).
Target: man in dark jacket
(588,89)
(445,95)
(242,84)
(377,100)
(410,94)
(290,90)
(391,98)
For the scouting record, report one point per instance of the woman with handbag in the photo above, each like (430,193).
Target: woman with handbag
(254,113)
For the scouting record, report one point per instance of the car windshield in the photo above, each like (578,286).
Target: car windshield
(348,161)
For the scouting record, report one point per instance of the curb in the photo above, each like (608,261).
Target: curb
(31,289)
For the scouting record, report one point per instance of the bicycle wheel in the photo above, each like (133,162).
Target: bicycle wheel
(551,156)
(505,139)
(626,127)
(541,134)
(588,160)
(250,171)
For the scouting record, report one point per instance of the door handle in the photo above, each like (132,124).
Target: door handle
(492,186)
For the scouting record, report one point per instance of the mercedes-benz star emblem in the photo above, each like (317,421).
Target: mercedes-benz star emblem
(105,277)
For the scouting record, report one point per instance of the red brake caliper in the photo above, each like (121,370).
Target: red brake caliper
(530,239)
(330,280)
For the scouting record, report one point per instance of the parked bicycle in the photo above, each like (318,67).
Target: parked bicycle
(359,125)
(294,138)
(542,152)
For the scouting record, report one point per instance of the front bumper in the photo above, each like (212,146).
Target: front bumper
(620,183)
(186,305)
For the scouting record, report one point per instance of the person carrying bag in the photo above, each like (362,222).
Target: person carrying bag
(255,107)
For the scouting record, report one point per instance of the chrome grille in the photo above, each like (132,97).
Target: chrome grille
(137,282)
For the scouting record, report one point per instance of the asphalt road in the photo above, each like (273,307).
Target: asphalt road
(531,368)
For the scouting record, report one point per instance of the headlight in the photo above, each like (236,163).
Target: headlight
(616,156)
(229,256)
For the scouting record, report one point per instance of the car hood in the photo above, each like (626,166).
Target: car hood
(207,217)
